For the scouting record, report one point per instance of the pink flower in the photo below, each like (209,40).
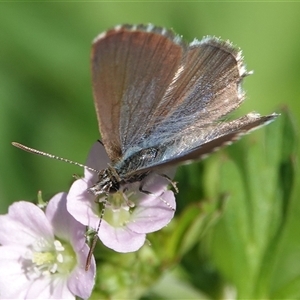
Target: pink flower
(129,214)
(43,255)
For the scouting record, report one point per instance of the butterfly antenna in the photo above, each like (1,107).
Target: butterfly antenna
(95,237)
(34,151)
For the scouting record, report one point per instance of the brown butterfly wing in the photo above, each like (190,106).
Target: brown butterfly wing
(131,69)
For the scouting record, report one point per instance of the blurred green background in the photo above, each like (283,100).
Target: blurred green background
(45,86)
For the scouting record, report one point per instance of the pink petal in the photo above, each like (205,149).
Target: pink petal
(49,287)
(81,282)
(65,226)
(167,171)
(13,282)
(57,215)
(153,213)
(24,224)
(120,239)
(97,159)
(156,183)
(81,205)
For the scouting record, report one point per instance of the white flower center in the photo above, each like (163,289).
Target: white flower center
(118,208)
(49,258)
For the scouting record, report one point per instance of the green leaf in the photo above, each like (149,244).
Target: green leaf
(259,177)
(173,285)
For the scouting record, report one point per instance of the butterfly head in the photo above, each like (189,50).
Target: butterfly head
(108,182)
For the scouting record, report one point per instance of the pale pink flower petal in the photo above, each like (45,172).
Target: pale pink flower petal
(80,281)
(13,283)
(81,204)
(67,229)
(97,159)
(120,239)
(50,263)
(153,213)
(27,223)
(46,287)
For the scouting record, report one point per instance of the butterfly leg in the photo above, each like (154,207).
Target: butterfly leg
(127,201)
(144,191)
(173,183)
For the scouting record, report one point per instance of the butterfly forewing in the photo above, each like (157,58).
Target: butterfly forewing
(131,69)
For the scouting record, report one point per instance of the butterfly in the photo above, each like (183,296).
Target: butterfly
(161,101)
